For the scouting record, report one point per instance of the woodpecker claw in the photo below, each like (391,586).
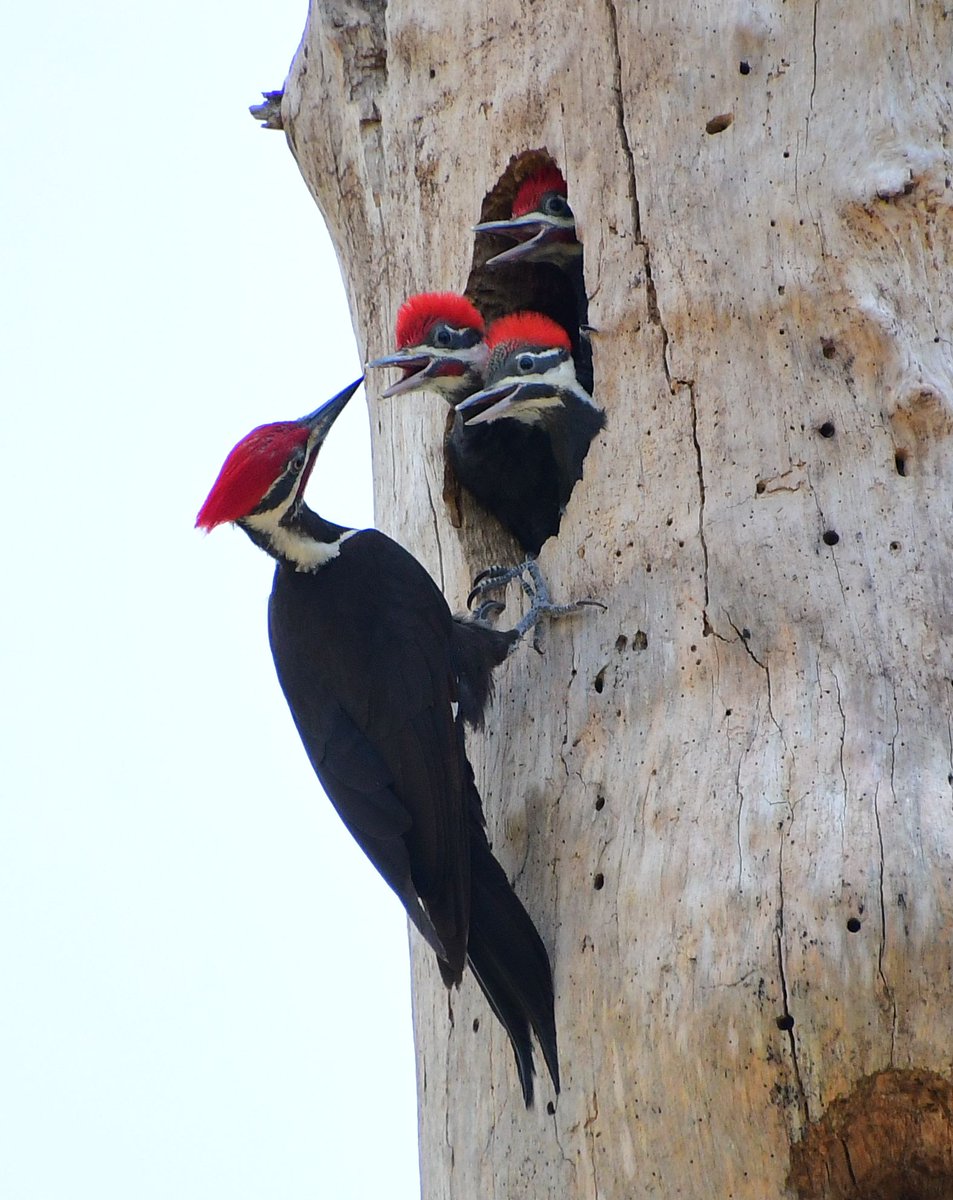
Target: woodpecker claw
(494,571)
(534,588)
(488,610)
(541,604)
(493,578)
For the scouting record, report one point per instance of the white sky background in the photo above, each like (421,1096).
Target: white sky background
(205,987)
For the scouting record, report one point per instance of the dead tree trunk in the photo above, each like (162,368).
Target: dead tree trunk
(727,800)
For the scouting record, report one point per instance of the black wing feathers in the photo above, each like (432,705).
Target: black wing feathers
(371,645)
(371,663)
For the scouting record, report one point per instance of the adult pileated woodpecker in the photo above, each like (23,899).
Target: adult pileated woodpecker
(520,458)
(379,678)
(544,228)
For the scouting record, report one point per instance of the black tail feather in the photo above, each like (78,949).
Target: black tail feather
(509,960)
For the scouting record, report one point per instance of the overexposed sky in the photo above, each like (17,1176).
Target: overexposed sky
(205,987)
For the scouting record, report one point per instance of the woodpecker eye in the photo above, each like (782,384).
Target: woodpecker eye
(556,206)
(297,463)
(525,363)
(442,338)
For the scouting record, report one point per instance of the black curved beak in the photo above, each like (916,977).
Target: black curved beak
(320,421)
(419,365)
(531,232)
(501,400)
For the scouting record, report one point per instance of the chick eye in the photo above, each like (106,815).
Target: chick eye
(297,463)
(525,363)
(556,206)
(442,338)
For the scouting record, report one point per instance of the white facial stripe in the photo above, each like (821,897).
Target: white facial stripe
(564,376)
(474,356)
(561,377)
(306,553)
(529,412)
(264,521)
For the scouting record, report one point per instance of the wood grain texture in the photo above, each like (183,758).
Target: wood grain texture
(754,744)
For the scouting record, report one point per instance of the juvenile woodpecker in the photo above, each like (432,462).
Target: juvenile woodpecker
(544,229)
(440,347)
(546,421)
(520,459)
(380,679)
(541,223)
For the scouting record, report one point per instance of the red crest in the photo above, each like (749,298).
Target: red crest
(418,315)
(249,472)
(530,193)
(528,329)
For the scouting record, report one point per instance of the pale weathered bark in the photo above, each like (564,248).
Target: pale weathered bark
(697,790)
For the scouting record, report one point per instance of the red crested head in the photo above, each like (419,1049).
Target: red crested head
(418,315)
(250,470)
(530,193)
(527,329)
(285,450)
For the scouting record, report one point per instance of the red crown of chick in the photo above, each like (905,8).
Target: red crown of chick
(418,315)
(529,329)
(531,191)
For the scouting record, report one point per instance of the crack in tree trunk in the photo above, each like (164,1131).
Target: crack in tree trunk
(770,307)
